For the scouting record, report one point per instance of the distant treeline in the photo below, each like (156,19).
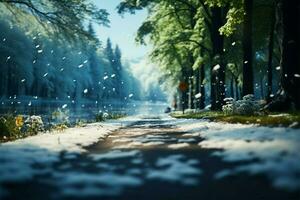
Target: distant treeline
(36,62)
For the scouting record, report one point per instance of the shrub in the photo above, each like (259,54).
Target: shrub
(247,106)
(9,127)
(100,117)
(60,116)
(34,124)
(60,127)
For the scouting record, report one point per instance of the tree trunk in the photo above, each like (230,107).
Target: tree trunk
(197,87)
(217,76)
(237,96)
(231,86)
(262,86)
(202,88)
(270,57)
(247,48)
(290,58)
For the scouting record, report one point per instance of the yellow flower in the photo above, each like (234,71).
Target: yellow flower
(19,121)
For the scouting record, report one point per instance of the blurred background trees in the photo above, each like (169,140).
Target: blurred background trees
(223,48)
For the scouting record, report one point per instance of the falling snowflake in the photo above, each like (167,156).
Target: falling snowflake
(80,66)
(61,69)
(217,67)
(105,77)
(8,58)
(233,43)
(130,95)
(23,80)
(197,96)
(4,39)
(297,75)
(37,46)
(246,62)
(85,61)
(64,106)
(278,68)
(52,51)
(64,58)
(85,91)
(34,61)
(46,74)
(40,51)
(114,89)
(113,75)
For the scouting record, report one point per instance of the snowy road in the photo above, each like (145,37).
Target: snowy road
(154,158)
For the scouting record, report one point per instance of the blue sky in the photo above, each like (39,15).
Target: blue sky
(122,29)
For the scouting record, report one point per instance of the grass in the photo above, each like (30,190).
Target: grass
(270,119)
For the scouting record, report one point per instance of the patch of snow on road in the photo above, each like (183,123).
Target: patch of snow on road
(112,183)
(175,168)
(271,151)
(178,145)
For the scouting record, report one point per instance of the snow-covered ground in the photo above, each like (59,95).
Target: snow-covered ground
(19,158)
(271,151)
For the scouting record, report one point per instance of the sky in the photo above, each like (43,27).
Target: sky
(122,30)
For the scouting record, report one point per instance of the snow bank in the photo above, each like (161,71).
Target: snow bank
(271,151)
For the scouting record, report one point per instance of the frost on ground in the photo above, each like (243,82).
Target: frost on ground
(271,151)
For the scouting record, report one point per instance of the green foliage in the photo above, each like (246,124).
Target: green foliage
(100,117)
(9,128)
(33,125)
(65,16)
(267,119)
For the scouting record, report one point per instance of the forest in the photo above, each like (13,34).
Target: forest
(234,58)
(213,50)
(44,59)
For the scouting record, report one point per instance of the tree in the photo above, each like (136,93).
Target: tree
(66,16)
(247,47)
(289,96)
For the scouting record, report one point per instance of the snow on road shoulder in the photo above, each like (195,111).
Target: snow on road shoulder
(19,158)
(271,151)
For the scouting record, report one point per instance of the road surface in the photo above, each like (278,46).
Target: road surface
(150,159)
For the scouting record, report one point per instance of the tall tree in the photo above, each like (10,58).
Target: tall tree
(248,81)
(290,59)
